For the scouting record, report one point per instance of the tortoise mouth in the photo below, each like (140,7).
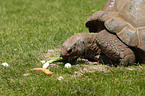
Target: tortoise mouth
(69,59)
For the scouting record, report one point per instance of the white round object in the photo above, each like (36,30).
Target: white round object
(45,65)
(5,64)
(67,65)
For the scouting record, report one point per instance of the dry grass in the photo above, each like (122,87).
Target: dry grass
(51,53)
(91,69)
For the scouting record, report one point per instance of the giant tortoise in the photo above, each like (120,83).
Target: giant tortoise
(118,32)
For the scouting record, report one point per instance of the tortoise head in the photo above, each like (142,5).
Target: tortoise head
(73,48)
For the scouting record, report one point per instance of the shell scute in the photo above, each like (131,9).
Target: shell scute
(133,12)
(129,36)
(115,24)
(107,15)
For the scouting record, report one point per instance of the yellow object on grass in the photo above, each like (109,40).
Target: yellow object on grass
(93,11)
(46,71)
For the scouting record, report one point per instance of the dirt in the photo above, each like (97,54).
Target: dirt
(91,69)
(52,53)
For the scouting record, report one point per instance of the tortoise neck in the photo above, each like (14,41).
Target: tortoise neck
(88,40)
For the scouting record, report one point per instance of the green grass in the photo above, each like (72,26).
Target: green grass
(28,28)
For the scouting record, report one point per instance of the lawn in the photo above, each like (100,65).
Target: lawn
(34,30)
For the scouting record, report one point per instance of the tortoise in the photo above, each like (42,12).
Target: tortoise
(119,32)
(92,47)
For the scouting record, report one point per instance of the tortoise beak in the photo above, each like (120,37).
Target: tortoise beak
(69,59)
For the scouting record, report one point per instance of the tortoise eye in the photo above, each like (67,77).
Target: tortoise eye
(69,50)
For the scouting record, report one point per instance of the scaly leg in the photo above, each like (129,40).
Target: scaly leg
(113,48)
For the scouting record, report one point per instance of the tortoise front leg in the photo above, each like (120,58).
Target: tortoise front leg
(113,48)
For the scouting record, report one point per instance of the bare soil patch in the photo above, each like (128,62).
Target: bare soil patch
(91,69)
(52,53)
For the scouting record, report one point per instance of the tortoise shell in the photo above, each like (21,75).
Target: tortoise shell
(126,18)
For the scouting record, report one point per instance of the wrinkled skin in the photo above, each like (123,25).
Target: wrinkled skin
(102,46)
(83,45)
